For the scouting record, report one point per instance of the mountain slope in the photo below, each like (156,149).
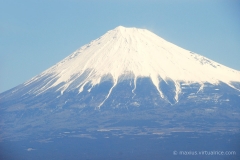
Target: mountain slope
(132,53)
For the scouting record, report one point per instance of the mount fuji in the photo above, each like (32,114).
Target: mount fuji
(127,82)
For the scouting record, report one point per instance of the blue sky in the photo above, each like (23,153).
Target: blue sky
(36,34)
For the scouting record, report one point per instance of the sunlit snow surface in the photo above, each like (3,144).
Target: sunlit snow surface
(131,53)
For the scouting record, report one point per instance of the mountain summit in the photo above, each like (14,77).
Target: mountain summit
(132,53)
(127,74)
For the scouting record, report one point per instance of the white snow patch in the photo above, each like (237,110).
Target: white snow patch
(135,85)
(30,149)
(178,91)
(201,88)
(209,110)
(135,104)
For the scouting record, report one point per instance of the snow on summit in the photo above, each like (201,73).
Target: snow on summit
(124,53)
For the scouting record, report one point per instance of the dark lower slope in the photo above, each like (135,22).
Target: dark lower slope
(215,108)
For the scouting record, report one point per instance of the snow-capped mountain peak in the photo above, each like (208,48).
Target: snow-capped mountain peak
(130,53)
